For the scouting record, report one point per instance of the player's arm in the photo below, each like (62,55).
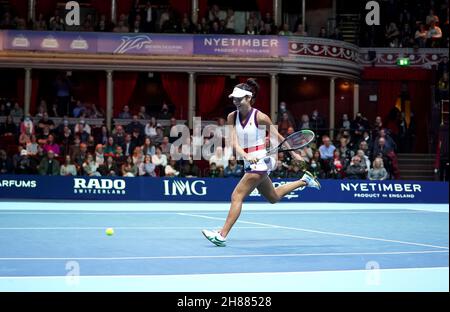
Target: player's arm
(275,136)
(233,137)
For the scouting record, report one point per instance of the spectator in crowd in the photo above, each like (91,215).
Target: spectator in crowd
(138,156)
(159,134)
(40,23)
(295,171)
(317,122)
(164,114)
(315,165)
(125,114)
(165,146)
(431,17)
(147,168)
(99,155)
(109,167)
(280,171)
(90,166)
(32,146)
(420,36)
(365,161)
(150,128)
(6,165)
(300,31)
(142,113)
(49,165)
(171,169)
(392,35)
(285,31)
(24,164)
(16,111)
(322,33)
(57,24)
(160,160)
(356,171)
(284,124)
(128,146)
(119,135)
(378,172)
(190,169)
(346,123)
(233,169)
(388,140)
(148,148)
(337,35)
(79,109)
(52,146)
(83,130)
(215,171)
(102,136)
(135,124)
(434,35)
(337,166)
(326,153)
(122,25)
(9,128)
(219,158)
(68,168)
(344,150)
(103,25)
(79,155)
(129,168)
(304,122)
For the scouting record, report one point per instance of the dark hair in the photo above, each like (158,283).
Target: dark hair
(250,85)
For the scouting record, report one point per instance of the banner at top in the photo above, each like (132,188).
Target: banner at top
(145,43)
(253,46)
(71,42)
(154,44)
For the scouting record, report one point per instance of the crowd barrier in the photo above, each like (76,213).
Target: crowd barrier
(213,190)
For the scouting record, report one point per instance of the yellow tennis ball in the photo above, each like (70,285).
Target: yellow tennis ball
(109,231)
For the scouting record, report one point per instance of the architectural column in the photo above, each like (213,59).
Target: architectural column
(277,12)
(304,14)
(31,10)
(114,11)
(274,98)
(109,98)
(27,93)
(194,13)
(355,99)
(192,99)
(332,105)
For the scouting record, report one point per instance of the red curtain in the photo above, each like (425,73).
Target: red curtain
(265,6)
(420,96)
(202,9)
(34,92)
(263,98)
(47,7)
(102,7)
(123,7)
(209,91)
(176,86)
(388,93)
(383,73)
(102,93)
(181,6)
(124,84)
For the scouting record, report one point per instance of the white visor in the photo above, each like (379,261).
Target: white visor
(239,93)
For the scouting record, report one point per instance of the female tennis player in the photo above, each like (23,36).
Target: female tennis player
(249,142)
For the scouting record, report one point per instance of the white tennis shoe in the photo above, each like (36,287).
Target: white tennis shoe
(310,180)
(215,238)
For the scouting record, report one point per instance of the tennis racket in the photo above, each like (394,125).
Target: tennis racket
(293,142)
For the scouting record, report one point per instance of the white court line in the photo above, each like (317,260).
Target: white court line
(70,206)
(217,274)
(227,256)
(319,232)
(123,228)
(278,212)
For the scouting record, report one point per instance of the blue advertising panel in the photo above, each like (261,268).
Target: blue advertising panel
(247,46)
(214,189)
(145,44)
(79,42)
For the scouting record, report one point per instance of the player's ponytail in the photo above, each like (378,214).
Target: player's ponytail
(251,82)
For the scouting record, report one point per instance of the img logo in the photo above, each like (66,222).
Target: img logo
(189,188)
(373,17)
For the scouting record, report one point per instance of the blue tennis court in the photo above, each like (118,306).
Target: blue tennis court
(54,246)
